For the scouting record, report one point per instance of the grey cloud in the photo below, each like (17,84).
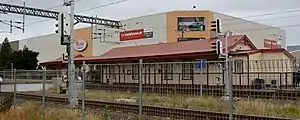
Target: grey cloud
(134,8)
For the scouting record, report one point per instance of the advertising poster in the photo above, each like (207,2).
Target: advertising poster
(136,34)
(191,24)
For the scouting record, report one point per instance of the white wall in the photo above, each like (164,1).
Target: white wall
(157,22)
(255,31)
(47,45)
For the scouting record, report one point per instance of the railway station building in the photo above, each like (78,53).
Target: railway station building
(275,66)
(169,27)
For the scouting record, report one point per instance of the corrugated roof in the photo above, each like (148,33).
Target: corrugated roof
(249,52)
(163,49)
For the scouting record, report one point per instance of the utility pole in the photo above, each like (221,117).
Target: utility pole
(24,13)
(10,26)
(74,97)
(73,94)
(216,27)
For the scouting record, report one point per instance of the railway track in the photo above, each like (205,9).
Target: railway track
(174,113)
(281,94)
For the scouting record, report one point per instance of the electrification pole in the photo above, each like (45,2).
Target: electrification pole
(74,97)
(73,94)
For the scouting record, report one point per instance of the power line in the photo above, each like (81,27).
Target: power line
(264,19)
(104,5)
(266,14)
(41,21)
(100,6)
(10,1)
(112,3)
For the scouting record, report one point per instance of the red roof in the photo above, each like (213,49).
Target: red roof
(164,49)
(249,52)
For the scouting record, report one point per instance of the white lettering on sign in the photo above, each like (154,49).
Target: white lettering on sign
(80,45)
(131,34)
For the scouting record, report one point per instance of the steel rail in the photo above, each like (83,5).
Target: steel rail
(152,110)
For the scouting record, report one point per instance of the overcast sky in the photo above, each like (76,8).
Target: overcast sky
(113,9)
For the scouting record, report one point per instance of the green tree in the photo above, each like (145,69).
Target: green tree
(5,53)
(25,59)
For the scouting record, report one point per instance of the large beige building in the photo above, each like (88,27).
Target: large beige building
(152,29)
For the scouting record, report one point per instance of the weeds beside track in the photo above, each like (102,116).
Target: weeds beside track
(175,113)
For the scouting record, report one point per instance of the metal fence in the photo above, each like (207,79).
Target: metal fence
(180,90)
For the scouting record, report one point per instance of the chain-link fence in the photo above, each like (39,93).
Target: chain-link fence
(259,87)
(179,90)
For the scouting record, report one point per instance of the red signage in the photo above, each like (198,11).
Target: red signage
(132,35)
(272,44)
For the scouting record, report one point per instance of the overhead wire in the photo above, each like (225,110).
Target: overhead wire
(103,5)
(121,1)
(41,21)
(259,15)
(10,1)
(265,14)
(224,20)
(100,6)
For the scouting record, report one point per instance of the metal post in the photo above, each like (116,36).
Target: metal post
(24,13)
(15,83)
(140,89)
(226,65)
(201,88)
(73,89)
(83,90)
(44,94)
(230,102)
(10,26)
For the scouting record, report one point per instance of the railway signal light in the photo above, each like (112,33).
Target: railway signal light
(217,46)
(63,28)
(65,57)
(216,26)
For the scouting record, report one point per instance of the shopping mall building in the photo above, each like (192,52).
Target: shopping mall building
(154,29)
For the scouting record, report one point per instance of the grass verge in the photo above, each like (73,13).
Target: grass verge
(278,108)
(31,110)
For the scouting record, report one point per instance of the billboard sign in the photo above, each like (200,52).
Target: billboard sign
(272,44)
(136,34)
(191,23)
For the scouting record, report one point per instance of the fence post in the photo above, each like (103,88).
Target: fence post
(43,98)
(140,89)
(230,82)
(83,90)
(15,84)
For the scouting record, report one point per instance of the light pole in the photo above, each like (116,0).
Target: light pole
(73,94)
(228,77)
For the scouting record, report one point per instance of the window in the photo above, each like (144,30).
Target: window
(168,71)
(239,68)
(191,24)
(112,71)
(187,71)
(135,72)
